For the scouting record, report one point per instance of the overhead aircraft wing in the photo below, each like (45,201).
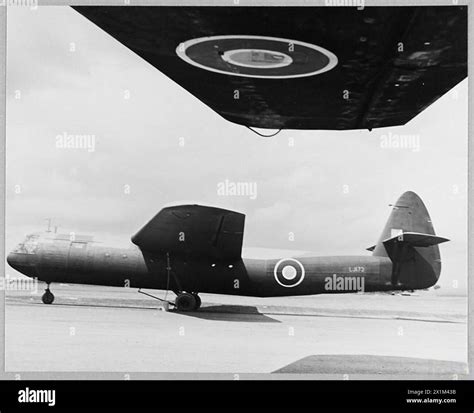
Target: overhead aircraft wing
(194,230)
(300,67)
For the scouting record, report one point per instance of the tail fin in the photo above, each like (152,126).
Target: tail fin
(410,241)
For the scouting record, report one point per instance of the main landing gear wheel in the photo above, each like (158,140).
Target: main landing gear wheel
(185,302)
(198,301)
(48,297)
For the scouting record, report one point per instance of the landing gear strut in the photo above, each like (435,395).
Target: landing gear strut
(183,302)
(48,296)
(187,301)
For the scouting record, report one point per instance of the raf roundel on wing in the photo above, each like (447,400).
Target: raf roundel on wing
(257,56)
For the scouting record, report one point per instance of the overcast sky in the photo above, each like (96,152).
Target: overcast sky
(331,189)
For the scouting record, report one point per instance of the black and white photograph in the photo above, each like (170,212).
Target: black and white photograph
(236,190)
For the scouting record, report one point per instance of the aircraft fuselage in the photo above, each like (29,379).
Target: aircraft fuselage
(65,261)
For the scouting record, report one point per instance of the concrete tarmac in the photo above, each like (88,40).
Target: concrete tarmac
(118,330)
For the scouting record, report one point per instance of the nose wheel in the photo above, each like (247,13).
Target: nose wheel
(48,296)
(187,302)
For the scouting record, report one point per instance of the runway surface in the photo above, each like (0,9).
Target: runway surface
(118,330)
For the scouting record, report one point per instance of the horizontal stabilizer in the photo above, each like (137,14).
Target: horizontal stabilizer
(416,239)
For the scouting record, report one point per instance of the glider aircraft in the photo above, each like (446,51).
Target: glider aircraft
(192,249)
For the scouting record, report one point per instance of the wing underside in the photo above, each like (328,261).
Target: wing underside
(392,62)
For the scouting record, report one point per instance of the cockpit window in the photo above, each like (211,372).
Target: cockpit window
(28,246)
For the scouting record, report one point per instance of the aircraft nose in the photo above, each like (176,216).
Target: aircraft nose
(21,263)
(14,261)
(11,259)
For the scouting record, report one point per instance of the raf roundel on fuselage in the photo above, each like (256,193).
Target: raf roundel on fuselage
(289,272)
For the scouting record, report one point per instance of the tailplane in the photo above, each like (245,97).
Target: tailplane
(409,240)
